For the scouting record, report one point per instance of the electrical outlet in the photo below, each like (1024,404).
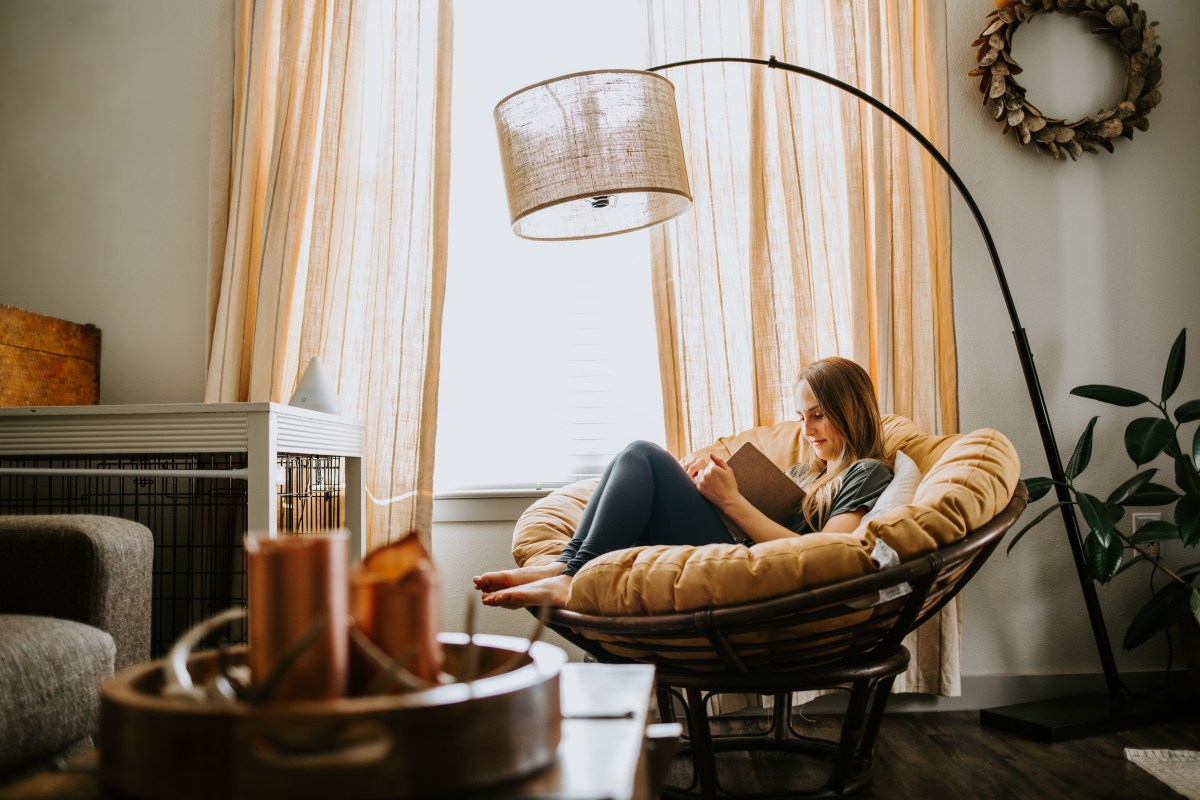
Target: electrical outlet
(1141,519)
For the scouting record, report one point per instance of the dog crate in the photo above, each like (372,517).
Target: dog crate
(198,476)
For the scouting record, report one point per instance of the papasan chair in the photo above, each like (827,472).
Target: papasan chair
(806,613)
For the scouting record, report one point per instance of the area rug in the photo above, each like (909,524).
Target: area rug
(1179,769)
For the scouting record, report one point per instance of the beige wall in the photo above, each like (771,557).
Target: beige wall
(104,119)
(103,190)
(1101,259)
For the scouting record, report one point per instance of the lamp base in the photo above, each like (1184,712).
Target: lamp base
(1061,718)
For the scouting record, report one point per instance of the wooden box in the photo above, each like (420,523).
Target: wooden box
(46,361)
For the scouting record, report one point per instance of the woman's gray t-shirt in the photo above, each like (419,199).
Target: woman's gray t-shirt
(861,486)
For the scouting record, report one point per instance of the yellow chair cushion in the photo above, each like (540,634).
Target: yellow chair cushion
(966,480)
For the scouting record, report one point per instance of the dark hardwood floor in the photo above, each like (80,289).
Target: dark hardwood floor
(949,755)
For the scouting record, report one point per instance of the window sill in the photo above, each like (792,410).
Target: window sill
(499,504)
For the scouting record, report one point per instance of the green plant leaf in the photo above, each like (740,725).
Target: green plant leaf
(1186,476)
(1157,615)
(1115,513)
(1013,542)
(1103,553)
(1096,514)
(1157,531)
(1187,517)
(1146,437)
(1113,395)
(1174,372)
(1138,558)
(1038,488)
(1083,452)
(1172,448)
(1152,494)
(1116,555)
(1188,412)
(1130,487)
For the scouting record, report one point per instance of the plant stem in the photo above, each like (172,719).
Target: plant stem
(1150,557)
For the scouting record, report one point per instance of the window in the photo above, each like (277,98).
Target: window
(549,358)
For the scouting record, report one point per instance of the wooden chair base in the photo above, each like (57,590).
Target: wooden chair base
(847,760)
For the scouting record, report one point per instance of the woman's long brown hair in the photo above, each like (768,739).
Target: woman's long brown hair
(845,393)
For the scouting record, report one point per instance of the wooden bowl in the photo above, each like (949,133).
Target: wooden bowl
(454,737)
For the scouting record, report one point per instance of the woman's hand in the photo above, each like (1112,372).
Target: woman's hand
(693,465)
(717,483)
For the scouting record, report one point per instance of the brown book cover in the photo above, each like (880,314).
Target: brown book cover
(766,486)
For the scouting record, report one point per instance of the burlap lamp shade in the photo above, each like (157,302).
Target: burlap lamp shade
(592,154)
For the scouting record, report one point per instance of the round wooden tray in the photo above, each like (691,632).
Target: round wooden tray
(435,741)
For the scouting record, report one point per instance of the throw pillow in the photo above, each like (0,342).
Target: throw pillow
(900,492)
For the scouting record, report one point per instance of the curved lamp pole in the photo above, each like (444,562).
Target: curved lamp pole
(598,153)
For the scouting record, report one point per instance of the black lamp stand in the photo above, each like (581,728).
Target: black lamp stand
(1060,718)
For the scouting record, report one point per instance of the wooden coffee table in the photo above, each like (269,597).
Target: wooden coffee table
(602,753)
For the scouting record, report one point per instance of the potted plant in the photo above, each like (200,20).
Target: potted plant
(1108,549)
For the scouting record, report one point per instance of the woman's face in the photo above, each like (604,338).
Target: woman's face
(817,428)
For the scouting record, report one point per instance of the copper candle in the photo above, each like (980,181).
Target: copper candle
(394,599)
(294,582)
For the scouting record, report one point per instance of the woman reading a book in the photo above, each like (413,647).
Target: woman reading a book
(646,497)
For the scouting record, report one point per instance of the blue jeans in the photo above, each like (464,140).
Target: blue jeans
(644,497)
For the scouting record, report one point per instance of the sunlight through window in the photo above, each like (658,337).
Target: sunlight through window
(549,357)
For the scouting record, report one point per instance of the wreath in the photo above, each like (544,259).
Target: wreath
(1119,21)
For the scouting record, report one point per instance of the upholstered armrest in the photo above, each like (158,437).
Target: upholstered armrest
(91,569)
(971,480)
(549,523)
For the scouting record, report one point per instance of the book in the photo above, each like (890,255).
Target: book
(766,486)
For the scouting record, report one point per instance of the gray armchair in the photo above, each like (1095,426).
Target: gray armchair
(74,607)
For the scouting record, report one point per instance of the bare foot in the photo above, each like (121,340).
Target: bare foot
(506,579)
(546,592)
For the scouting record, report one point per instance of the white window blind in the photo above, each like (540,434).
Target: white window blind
(549,358)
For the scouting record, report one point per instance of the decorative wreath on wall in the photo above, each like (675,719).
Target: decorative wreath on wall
(1120,22)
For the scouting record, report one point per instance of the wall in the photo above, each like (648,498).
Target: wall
(471,536)
(103,162)
(1100,257)
(104,120)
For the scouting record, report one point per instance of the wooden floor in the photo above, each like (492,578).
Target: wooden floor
(949,755)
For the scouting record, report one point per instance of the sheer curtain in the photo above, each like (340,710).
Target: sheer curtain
(329,225)
(819,228)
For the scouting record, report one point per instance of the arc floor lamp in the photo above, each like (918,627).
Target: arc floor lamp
(598,153)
